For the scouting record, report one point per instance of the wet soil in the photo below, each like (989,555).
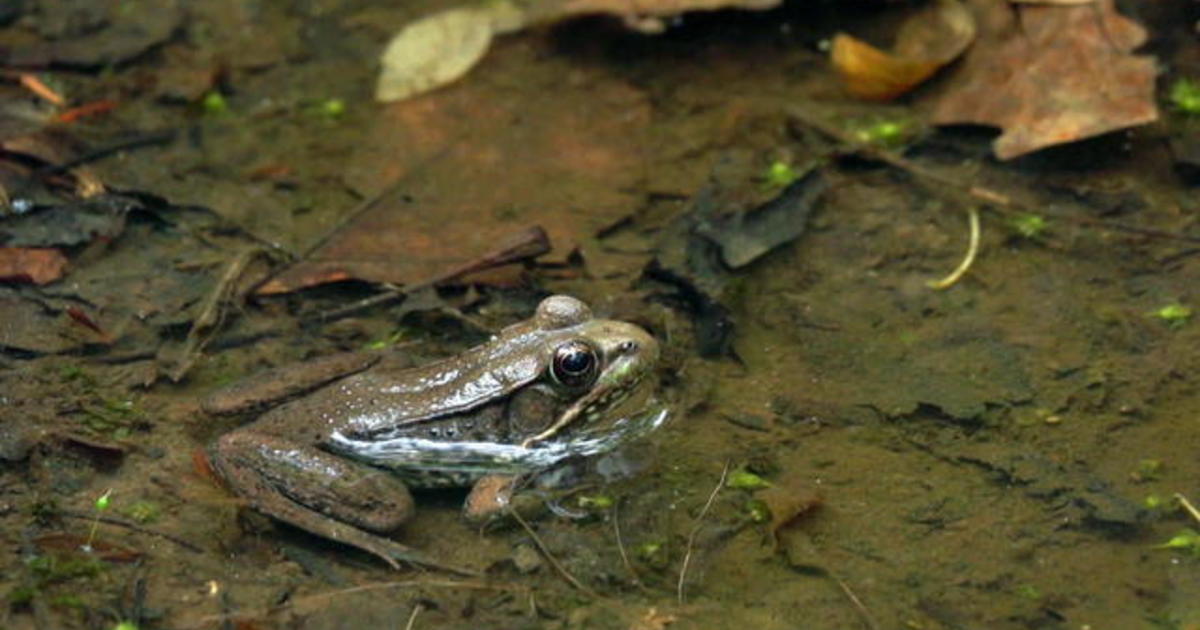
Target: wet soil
(999,454)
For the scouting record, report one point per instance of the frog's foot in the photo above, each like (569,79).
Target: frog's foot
(320,493)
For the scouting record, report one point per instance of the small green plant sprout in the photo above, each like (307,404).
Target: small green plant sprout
(1154,502)
(1147,470)
(746,480)
(1185,540)
(886,133)
(143,511)
(101,504)
(333,108)
(779,175)
(1174,314)
(1184,96)
(1028,591)
(387,342)
(1028,225)
(214,104)
(594,501)
(758,511)
(125,625)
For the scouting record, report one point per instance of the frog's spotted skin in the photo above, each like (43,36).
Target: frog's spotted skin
(536,393)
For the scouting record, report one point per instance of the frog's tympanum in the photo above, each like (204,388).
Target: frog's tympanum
(538,392)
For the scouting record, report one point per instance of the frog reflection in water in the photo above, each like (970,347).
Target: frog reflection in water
(536,393)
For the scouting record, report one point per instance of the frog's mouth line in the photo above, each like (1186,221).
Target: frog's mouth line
(612,386)
(483,458)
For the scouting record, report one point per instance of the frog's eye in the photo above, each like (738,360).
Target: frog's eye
(574,364)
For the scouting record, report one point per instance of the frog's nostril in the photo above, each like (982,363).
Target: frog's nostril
(629,346)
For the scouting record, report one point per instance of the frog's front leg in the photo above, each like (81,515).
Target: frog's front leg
(316,491)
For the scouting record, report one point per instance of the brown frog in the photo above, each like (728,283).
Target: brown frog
(536,393)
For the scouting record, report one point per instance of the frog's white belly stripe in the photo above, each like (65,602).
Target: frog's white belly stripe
(414,454)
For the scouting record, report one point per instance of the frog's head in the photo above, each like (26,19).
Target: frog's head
(602,360)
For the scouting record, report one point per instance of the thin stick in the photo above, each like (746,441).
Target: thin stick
(523,245)
(616,519)
(212,312)
(551,559)
(1187,505)
(412,619)
(972,249)
(858,605)
(687,556)
(996,201)
(311,601)
(137,528)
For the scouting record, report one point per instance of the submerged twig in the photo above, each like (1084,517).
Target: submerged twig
(1187,506)
(616,519)
(526,244)
(108,520)
(550,557)
(972,249)
(412,619)
(687,556)
(212,312)
(997,201)
(868,618)
(310,602)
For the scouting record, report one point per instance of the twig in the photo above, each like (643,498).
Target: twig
(996,201)
(1187,505)
(616,519)
(550,557)
(133,526)
(412,619)
(687,556)
(526,244)
(310,601)
(972,249)
(868,618)
(212,312)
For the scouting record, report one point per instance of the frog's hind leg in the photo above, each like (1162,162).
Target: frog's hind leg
(318,492)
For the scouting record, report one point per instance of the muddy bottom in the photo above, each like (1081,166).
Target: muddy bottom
(848,447)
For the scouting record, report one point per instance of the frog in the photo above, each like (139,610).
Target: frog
(355,433)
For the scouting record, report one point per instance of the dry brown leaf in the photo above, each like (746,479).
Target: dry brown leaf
(1049,75)
(440,48)
(479,162)
(790,497)
(873,74)
(927,40)
(37,265)
(432,52)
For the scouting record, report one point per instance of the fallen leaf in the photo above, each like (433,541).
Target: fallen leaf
(459,171)
(790,497)
(115,35)
(432,52)
(37,265)
(928,40)
(437,49)
(1049,75)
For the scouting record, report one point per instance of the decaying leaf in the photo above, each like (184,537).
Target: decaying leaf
(927,41)
(433,51)
(789,498)
(1049,75)
(442,47)
(37,265)
(456,174)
